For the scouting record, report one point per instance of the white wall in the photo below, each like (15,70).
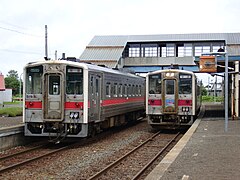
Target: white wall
(7,95)
(1,98)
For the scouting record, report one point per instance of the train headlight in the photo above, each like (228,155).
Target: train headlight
(71,115)
(185,109)
(74,115)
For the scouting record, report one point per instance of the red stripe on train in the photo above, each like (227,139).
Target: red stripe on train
(155,102)
(184,102)
(158,102)
(73,105)
(33,105)
(117,101)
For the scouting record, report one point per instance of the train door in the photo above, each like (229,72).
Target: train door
(53,102)
(95,96)
(170,96)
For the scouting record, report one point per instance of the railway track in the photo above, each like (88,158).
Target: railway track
(134,163)
(23,157)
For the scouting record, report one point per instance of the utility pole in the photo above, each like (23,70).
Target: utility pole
(46,48)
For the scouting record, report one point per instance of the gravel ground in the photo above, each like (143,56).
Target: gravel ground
(10,121)
(83,161)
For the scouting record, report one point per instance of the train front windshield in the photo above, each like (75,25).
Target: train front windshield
(185,83)
(34,80)
(155,84)
(74,81)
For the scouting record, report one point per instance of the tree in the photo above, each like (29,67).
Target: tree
(203,90)
(11,81)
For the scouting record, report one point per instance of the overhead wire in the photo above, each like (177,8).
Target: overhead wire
(19,32)
(13,30)
(22,52)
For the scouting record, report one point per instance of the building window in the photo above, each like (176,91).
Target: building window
(170,50)
(149,50)
(199,50)
(163,52)
(134,50)
(183,50)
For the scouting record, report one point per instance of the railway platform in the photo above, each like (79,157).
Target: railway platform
(206,151)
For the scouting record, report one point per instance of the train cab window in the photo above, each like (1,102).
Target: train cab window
(74,80)
(34,80)
(185,84)
(54,85)
(155,84)
(169,85)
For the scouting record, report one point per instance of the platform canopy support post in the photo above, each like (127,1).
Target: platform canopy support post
(226,92)
(208,66)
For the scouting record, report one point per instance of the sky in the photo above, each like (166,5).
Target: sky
(73,23)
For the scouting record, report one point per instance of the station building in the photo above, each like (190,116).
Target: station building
(146,53)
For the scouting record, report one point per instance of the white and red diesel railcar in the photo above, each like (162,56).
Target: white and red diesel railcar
(71,99)
(173,98)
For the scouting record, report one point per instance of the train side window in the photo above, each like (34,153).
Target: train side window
(91,85)
(133,90)
(136,91)
(97,86)
(115,90)
(140,90)
(129,92)
(108,89)
(120,90)
(125,89)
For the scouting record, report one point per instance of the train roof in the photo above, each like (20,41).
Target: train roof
(83,65)
(170,70)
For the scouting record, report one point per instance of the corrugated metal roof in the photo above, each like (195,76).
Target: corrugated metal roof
(2,83)
(112,47)
(98,53)
(108,41)
(230,38)
(110,64)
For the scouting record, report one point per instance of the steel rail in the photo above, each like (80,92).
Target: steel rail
(4,169)
(21,152)
(155,157)
(95,176)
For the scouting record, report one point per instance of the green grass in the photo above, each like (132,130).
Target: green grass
(11,111)
(14,102)
(212,99)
